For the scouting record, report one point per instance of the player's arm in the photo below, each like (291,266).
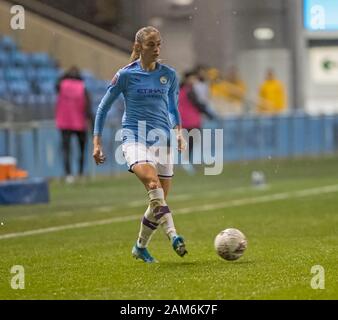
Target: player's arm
(111,95)
(174,114)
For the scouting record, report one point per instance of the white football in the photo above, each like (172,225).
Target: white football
(230,244)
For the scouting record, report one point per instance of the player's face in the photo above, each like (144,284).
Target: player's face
(151,47)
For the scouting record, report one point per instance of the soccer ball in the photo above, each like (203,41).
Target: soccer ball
(230,244)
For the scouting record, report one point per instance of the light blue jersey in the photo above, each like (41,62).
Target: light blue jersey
(150,97)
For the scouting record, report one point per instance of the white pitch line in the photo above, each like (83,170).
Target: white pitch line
(200,208)
(69,226)
(187,196)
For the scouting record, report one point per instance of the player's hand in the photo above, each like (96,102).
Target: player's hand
(182,145)
(98,155)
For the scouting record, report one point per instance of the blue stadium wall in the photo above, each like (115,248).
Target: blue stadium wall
(38,148)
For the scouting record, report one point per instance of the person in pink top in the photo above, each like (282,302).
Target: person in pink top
(191,109)
(73,116)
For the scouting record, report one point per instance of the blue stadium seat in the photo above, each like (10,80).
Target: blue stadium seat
(41,59)
(47,87)
(19,87)
(30,79)
(4,59)
(31,73)
(46,74)
(20,59)
(7,44)
(15,73)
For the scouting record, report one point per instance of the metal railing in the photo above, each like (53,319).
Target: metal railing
(8,112)
(12,113)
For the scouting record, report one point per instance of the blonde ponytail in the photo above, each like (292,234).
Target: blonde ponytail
(134,55)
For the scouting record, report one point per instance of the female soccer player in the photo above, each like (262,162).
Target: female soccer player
(150,90)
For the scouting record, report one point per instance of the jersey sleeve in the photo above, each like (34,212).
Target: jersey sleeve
(174,114)
(116,87)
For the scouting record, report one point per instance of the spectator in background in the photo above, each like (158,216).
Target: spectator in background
(236,90)
(191,109)
(217,87)
(228,92)
(202,89)
(272,96)
(73,116)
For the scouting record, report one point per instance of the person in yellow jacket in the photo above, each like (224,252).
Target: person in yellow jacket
(272,96)
(231,87)
(236,88)
(228,91)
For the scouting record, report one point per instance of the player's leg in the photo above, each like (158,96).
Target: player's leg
(81,136)
(147,174)
(165,170)
(158,212)
(166,185)
(66,139)
(167,221)
(141,163)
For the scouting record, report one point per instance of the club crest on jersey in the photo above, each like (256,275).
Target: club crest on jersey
(164,80)
(115,79)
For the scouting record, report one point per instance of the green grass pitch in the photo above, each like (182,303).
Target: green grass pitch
(82,249)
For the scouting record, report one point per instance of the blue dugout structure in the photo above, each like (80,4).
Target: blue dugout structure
(37,146)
